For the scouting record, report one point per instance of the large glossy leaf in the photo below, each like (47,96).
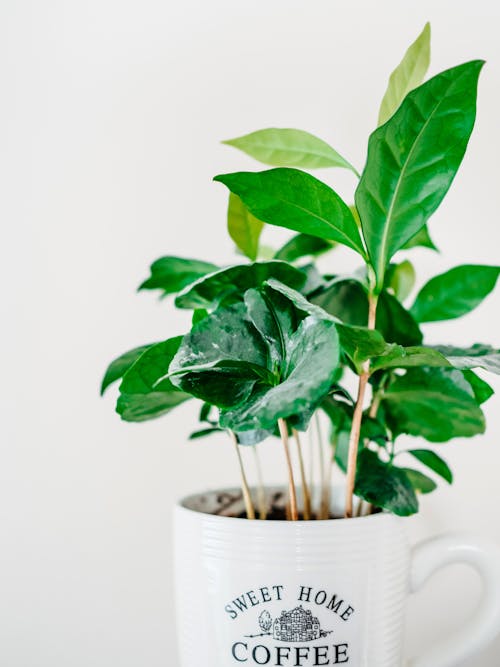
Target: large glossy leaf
(475,356)
(222,358)
(384,485)
(303,245)
(435,403)
(243,227)
(229,284)
(408,74)
(359,343)
(119,366)
(412,160)
(145,392)
(283,147)
(454,293)
(171,274)
(312,357)
(433,461)
(293,199)
(258,361)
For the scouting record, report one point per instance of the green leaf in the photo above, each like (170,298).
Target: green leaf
(282,147)
(408,74)
(258,361)
(145,393)
(243,227)
(359,343)
(420,482)
(476,356)
(202,433)
(407,357)
(430,459)
(383,485)
(198,315)
(222,358)
(482,390)
(412,160)
(312,357)
(347,300)
(293,199)
(118,367)
(171,274)
(454,293)
(421,239)
(303,245)
(396,324)
(229,284)
(435,403)
(400,279)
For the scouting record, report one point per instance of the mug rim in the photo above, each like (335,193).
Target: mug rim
(180,506)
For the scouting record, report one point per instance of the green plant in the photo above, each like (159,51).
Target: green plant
(274,341)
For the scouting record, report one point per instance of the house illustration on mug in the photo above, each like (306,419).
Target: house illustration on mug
(296,625)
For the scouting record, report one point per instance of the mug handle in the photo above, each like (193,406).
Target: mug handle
(484,557)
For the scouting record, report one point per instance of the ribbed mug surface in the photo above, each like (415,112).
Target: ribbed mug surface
(289,594)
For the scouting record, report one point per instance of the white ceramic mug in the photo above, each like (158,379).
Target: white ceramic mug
(303,594)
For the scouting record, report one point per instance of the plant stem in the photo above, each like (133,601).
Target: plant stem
(358,416)
(291,482)
(244,484)
(261,494)
(305,487)
(321,456)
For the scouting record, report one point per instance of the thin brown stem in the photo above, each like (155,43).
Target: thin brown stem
(244,483)
(261,494)
(305,488)
(358,416)
(291,482)
(321,456)
(326,495)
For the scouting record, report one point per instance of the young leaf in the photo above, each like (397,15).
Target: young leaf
(420,482)
(408,74)
(412,160)
(293,199)
(289,148)
(430,459)
(243,227)
(435,403)
(454,293)
(476,356)
(171,274)
(229,284)
(400,279)
(202,433)
(407,357)
(303,245)
(384,485)
(482,390)
(118,367)
(422,239)
(145,393)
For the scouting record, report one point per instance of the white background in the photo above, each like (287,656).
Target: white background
(111,116)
